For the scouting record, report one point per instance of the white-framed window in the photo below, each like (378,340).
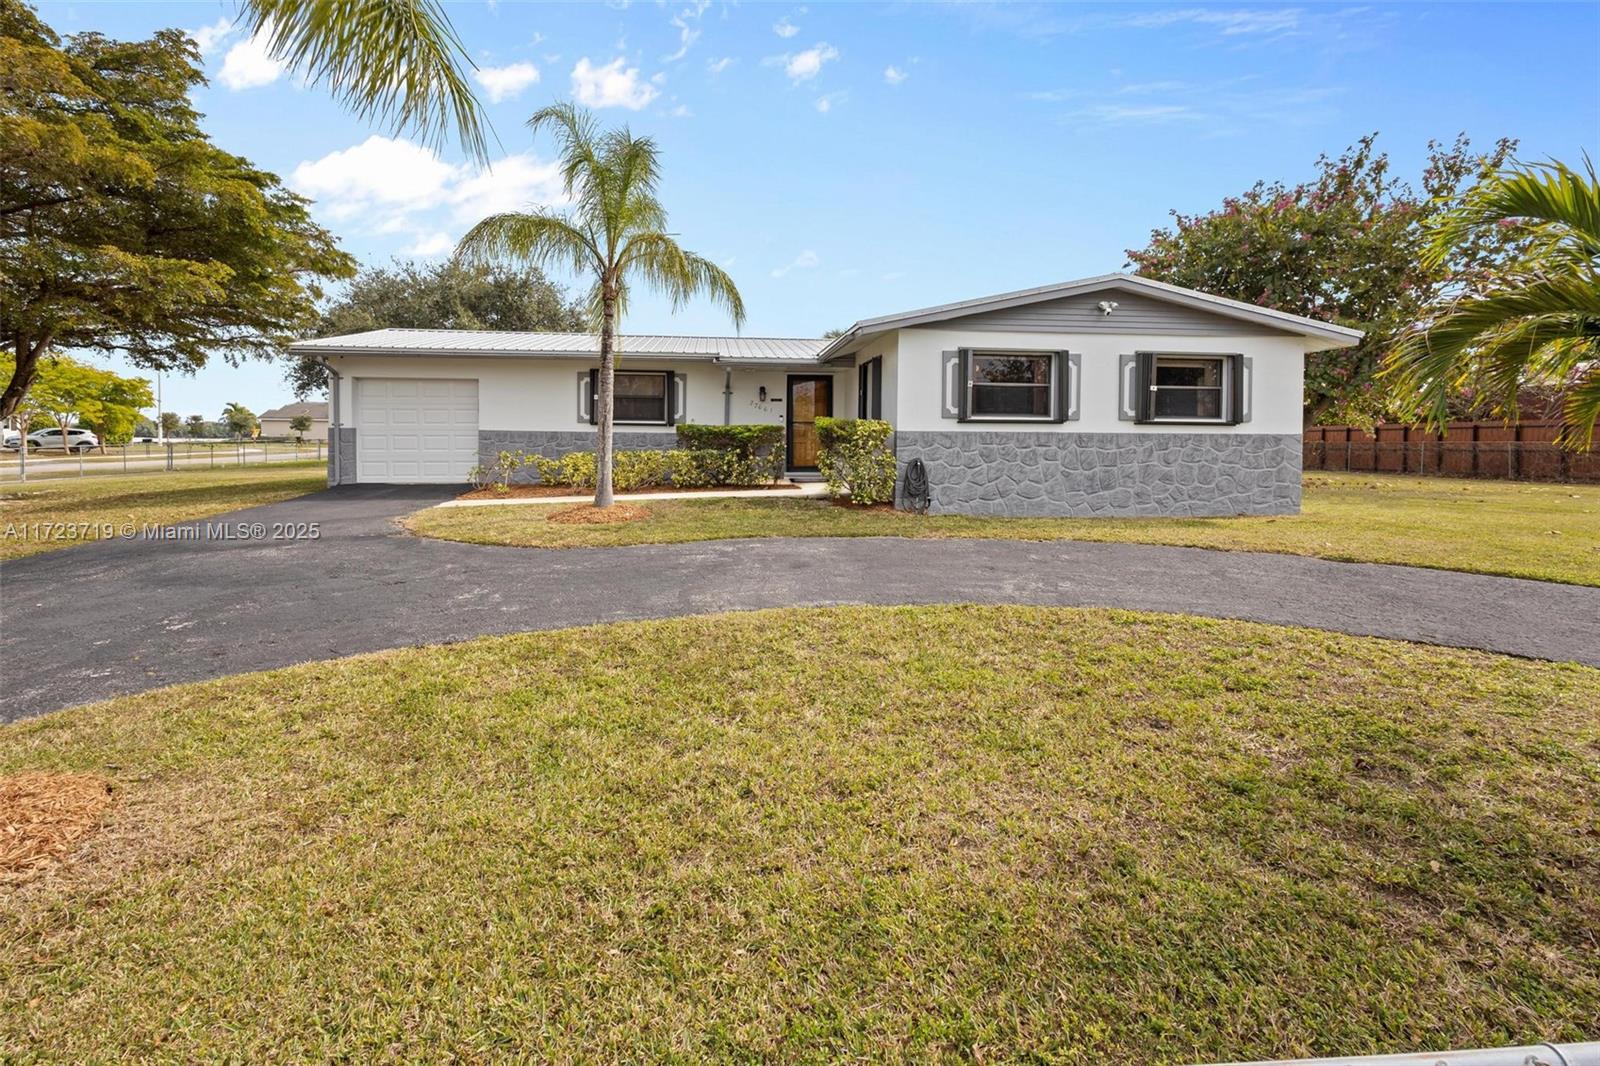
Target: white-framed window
(639,397)
(1183,387)
(1013,386)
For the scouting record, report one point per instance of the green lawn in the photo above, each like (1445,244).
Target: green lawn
(1545,531)
(997,834)
(28,512)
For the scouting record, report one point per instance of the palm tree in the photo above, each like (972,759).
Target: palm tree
(397,60)
(616,232)
(1540,323)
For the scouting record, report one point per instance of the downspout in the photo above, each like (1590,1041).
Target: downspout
(334,380)
(727,396)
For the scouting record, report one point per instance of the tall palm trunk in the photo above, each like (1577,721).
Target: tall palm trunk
(604,404)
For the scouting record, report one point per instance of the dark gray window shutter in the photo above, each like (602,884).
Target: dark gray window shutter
(1243,386)
(863,378)
(952,402)
(678,403)
(594,396)
(876,380)
(1059,403)
(1128,388)
(1145,402)
(963,377)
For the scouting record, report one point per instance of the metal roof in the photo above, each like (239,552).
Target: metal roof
(482,342)
(555,345)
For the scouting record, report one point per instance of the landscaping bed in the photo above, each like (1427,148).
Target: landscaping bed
(986,833)
(534,492)
(1518,529)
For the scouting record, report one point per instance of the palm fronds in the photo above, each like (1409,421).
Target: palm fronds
(397,60)
(1541,325)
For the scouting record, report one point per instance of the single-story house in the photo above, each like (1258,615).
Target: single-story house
(1113,395)
(275,423)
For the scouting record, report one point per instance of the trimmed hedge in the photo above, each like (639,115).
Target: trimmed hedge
(747,440)
(855,459)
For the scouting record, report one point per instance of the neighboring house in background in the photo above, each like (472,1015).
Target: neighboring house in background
(1113,395)
(275,423)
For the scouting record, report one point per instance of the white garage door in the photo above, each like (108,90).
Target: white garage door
(411,430)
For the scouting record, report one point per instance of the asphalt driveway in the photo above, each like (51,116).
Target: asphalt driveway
(115,617)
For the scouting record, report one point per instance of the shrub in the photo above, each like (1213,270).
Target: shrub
(747,440)
(576,469)
(855,459)
(631,471)
(696,468)
(753,453)
(505,465)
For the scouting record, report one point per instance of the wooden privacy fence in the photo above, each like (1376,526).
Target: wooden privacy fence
(1522,450)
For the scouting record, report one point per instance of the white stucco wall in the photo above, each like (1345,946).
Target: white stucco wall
(1277,366)
(542,394)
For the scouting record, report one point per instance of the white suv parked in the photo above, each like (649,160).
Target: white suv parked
(78,440)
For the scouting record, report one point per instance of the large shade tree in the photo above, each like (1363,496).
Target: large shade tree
(441,295)
(122,227)
(615,233)
(1345,247)
(1537,323)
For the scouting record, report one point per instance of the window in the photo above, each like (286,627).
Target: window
(639,397)
(1189,388)
(869,390)
(1014,386)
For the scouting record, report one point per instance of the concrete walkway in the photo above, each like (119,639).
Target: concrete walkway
(115,617)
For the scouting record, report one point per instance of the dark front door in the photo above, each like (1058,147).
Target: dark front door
(810,398)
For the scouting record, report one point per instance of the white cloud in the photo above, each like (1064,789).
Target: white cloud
(825,102)
(784,28)
(681,111)
(803,66)
(429,245)
(516,183)
(379,173)
(248,65)
(894,75)
(506,83)
(208,37)
(392,186)
(804,261)
(1273,21)
(611,85)
(717,66)
(687,34)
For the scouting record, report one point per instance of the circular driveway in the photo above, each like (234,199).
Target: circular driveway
(116,617)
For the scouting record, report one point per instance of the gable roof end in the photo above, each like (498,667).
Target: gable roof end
(1339,336)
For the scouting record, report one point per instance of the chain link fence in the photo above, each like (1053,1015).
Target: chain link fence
(155,458)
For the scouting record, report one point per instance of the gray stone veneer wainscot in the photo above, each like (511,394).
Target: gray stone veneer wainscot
(342,455)
(1105,475)
(553,444)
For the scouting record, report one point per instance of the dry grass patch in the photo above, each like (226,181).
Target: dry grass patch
(587,514)
(43,816)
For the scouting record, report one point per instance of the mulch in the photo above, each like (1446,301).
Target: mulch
(587,514)
(535,491)
(43,815)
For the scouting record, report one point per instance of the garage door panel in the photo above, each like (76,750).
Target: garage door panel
(415,429)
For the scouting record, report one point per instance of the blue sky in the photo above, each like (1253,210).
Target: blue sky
(849,160)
